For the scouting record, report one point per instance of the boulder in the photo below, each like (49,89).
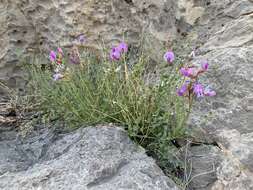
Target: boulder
(101,157)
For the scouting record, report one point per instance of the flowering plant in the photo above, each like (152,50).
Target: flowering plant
(192,87)
(117,52)
(147,102)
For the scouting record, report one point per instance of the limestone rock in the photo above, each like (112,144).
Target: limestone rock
(222,28)
(202,162)
(36,26)
(96,158)
(226,34)
(189,11)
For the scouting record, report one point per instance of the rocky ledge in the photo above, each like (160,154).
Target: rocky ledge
(93,158)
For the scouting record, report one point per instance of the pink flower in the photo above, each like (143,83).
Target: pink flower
(52,56)
(169,56)
(59,50)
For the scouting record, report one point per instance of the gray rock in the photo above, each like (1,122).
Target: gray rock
(37,26)
(228,118)
(88,158)
(203,161)
(223,28)
(232,175)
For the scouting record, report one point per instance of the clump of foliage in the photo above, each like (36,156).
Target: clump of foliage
(84,89)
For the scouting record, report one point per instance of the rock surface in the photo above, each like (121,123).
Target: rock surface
(88,158)
(202,163)
(221,28)
(36,26)
(225,31)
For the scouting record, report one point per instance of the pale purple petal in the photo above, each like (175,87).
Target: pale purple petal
(123,47)
(209,92)
(204,65)
(52,56)
(187,72)
(169,57)
(191,71)
(198,90)
(81,38)
(115,54)
(184,71)
(183,90)
(57,76)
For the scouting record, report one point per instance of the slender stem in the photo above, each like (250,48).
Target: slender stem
(126,73)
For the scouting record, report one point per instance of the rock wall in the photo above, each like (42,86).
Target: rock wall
(30,26)
(226,34)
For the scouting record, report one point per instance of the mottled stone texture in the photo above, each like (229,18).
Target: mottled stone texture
(94,158)
(35,25)
(223,29)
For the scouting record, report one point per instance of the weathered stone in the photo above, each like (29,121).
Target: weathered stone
(202,163)
(232,175)
(89,158)
(188,11)
(228,118)
(36,26)
(223,30)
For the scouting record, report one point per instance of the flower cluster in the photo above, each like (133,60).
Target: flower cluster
(193,72)
(117,52)
(192,86)
(56,57)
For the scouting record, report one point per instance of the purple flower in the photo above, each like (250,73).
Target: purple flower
(52,56)
(209,92)
(187,72)
(183,90)
(81,38)
(59,50)
(204,65)
(122,47)
(198,90)
(57,76)
(169,56)
(115,54)
(184,71)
